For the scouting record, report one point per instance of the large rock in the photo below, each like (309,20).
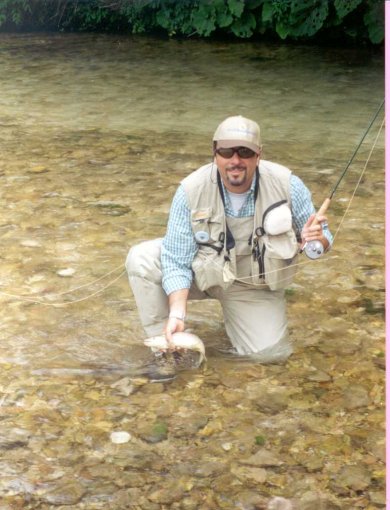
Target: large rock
(252,475)
(356,478)
(262,458)
(65,493)
(268,398)
(355,396)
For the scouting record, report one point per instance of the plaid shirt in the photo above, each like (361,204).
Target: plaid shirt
(179,246)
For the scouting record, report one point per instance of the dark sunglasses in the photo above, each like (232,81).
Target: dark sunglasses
(243,152)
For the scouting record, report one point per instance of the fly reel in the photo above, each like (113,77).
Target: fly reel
(314,249)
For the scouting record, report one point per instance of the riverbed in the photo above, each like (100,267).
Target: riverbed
(96,133)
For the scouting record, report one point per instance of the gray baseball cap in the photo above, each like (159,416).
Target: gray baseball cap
(238,131)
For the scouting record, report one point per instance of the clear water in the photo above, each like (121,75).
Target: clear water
(96,133)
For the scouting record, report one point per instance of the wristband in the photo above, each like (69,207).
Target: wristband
(178,317)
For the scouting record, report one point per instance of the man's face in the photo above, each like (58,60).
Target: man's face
(237,172)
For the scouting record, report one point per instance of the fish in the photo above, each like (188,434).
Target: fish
(180,340)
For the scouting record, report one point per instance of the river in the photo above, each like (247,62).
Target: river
(96,133)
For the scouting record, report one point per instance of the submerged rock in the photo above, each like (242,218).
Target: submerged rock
(69,493)
(268,399)
(204,469)
(249,474)
(356,478)
(153,433)
(167,495)
(38,169)
(111,208)
(263,458)
(355,396)
(279,503)
(313,500)
(14,438)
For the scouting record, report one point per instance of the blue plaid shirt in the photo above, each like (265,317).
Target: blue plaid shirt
(179,246)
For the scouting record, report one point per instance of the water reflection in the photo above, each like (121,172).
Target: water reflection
(97,131)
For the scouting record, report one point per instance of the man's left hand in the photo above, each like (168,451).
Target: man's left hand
(312,231)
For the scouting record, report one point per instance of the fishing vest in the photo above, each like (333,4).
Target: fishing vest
(259,250)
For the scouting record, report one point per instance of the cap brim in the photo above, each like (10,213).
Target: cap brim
(228,144)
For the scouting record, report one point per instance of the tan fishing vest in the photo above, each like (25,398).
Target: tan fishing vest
(256,251)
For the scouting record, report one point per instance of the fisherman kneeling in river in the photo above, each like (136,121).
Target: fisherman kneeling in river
(235,230)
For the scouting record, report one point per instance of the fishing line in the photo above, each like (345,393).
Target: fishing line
(314,249)
(70,291)
(357,148)
(65,303)
(245,278)
(359,180)
(94,293)
(242,279)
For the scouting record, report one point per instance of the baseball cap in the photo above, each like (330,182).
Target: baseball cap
(238,131)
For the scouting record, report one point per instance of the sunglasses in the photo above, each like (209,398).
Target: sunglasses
(243,152)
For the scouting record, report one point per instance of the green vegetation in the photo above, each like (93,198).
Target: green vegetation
(260,440)
(355,21)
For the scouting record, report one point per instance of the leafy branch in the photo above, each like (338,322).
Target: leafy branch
(356,20)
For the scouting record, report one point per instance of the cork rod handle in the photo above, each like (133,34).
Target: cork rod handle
(322,210)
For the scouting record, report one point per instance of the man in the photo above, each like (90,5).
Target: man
(235,229)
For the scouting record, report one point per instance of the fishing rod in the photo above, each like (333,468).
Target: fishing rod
(314,249)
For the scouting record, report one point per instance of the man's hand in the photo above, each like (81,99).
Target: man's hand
(312,231)
(177,310)
(173,325)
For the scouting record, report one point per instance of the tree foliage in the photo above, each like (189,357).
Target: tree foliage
(356,20)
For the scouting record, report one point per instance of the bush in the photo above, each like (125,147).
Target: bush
(359,21)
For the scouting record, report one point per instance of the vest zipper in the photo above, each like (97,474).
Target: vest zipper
(261,264)
(259,256)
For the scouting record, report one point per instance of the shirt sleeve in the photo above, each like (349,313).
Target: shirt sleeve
(302,207)
(178,247)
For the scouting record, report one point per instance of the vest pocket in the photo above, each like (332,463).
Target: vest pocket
(212,270)
(277,219)
(279,256)
(206,226)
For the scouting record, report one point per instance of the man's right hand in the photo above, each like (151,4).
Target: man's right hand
(173,325)
(177,301)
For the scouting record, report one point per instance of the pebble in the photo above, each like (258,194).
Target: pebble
(30,243)
(69,271)
(38,169)
(279,503)
(120,437)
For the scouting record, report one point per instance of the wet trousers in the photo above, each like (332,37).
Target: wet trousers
(255,318)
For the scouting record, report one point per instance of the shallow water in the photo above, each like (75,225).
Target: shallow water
(96,133)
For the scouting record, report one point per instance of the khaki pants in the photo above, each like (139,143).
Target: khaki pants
(255,318)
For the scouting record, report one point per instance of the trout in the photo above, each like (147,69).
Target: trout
(181,340)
